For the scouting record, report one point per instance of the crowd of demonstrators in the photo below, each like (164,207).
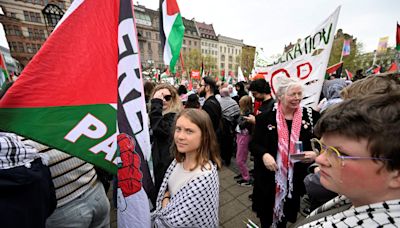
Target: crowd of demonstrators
(230,114)
(182,92)
(208,88)
(360,137)
(165,104)
(278,182)
(243,130)
(261,92)
(193,101)
(240,88)
(189,194)
(331,91)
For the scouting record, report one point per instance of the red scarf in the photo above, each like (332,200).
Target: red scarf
(284,175)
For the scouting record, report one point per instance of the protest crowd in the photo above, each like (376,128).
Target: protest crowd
(321,151)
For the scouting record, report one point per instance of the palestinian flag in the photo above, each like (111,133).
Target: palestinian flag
(3,71)
(84,86)
(171,32)
(334,70)
(398,37)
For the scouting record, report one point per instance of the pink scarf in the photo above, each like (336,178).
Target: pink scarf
(285,166)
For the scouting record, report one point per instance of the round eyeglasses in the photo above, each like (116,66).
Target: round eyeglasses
(334,156)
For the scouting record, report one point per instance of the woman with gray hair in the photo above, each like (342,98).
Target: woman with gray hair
(279,185)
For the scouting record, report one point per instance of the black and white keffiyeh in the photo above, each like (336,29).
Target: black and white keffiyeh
(194,205)
(14,153)
(383,214)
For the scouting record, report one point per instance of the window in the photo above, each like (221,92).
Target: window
(141,46)
(230,66)
(222,65)
(13,46)
(36,34)
(190,42)
(230,58)
(29,48)
(184,42)
(148,34)
(41,34)
(224,49)
(21,47)
(30,32)
(149,47)
(26,16)
(222,57)
(195,43)
(34,50)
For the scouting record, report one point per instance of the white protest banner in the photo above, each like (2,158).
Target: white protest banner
(306,61)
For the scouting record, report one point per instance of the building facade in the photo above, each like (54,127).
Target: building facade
(208,46)
(229,58)
(28,23)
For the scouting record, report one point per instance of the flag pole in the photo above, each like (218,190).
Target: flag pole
(374,60)
(397,53)
(341,55)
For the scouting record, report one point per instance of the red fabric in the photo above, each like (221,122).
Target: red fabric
(349,74)
(377,70)
(76,57)
(129,174)
(172,7)
(257,105)
(258,76)
(392,68)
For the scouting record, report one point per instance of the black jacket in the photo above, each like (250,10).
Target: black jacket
(265,140)
(162,137)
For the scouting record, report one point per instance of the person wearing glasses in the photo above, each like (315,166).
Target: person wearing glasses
(318,195)
(359,159)
(165,104)
(278,183)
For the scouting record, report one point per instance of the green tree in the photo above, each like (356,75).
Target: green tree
(247,60)
(210,64)
(192,60)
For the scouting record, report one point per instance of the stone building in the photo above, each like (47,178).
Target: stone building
(229,58)
(28,23)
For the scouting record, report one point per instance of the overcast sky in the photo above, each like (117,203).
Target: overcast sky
(273,23)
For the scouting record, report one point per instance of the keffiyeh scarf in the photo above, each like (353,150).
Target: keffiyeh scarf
(383,214)
(194,205)
(286,146)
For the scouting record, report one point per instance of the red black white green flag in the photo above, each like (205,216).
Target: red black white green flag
(84,86)
(398,37)
(334,70)
(3,71)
